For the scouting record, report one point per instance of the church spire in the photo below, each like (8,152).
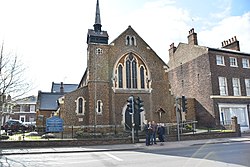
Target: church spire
(97,25)
(97,35)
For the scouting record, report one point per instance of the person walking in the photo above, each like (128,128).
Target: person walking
(161,133)
(154,131)
(148,132)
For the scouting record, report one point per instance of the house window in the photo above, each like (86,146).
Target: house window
(229,111)
(22,108)
(80,106)
(22,118)
(247,83)
(31,119)
(220,60)
(236,86)
(233,62)
(223,86)
(99,107)
(245,63)
(32,108)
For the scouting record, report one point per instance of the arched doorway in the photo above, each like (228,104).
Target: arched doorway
(127,120)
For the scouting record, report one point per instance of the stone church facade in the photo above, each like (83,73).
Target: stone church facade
(127,66)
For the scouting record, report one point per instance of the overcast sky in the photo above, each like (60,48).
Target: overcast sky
(49,36)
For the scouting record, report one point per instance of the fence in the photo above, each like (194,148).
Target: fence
(173,131)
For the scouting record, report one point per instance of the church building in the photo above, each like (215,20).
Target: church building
(125,67)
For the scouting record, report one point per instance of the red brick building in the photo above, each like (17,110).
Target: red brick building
(127,66)
(217,78)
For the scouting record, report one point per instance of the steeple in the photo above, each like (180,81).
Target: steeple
(97,36)
(97,25)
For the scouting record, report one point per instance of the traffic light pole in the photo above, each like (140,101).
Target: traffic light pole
(177,118)
(132,121)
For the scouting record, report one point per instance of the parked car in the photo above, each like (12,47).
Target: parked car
(48,135)
(31,126)
(14,125)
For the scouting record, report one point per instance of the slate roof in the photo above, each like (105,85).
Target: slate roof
(66,87)
(97,34)
(48,101)
(27,100)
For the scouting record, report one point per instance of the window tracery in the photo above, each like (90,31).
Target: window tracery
(131,73)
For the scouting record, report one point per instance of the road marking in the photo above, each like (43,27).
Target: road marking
(114,157)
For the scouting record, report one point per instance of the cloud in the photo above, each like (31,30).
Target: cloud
(159,23)
(223,8)
(227,28)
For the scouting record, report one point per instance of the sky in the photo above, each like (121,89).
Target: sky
(49,36)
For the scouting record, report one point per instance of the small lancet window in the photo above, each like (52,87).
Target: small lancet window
(120,76)
(99,107)
(80,106)
(127,40)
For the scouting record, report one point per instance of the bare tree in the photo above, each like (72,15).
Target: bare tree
(13,84)
(12,80)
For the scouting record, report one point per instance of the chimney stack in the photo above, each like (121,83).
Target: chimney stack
(171,50)
(192,37)
(232,44)
(61,88)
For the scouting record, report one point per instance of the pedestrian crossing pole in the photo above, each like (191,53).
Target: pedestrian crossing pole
(177,118)
(132,121)
(131,109)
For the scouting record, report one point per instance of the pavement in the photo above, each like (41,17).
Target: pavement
(122,147)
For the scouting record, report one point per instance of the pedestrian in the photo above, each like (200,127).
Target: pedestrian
(154,131)
(161,133)
(148,132)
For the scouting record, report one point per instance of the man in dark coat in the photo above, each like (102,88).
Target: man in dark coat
(161,133)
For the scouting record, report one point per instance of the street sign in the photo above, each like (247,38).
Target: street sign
(54,124)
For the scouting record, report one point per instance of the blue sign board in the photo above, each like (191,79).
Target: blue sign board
(54,124)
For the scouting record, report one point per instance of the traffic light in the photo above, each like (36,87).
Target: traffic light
(139,105)
(130,104)
(184,104)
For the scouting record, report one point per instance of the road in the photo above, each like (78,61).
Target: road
(210,155)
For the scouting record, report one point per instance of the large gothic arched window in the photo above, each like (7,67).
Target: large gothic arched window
(131,73)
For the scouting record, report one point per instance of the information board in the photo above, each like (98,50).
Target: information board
(54,124)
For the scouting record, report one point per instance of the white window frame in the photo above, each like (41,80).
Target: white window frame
(83,106)
(236,86)
(233,62)
(242,117)
(245,63)
(22,107)
(247,84)
(32,108)
(220,60)
(99,107)
(24,118)
(223,86)
(99,51)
